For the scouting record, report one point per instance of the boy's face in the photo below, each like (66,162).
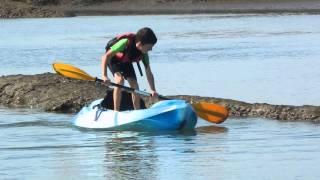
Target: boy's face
(145,47)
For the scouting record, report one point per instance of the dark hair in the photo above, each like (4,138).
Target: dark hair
(146,36)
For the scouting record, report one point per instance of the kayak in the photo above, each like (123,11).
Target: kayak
(211,112)
(163,115)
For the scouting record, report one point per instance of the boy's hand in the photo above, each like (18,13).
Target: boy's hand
(106,80)
(154,94)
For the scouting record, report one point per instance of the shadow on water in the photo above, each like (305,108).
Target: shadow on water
(177,133)
(212,129)
(140,134)
(37,123)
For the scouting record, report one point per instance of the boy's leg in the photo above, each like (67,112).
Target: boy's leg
(135,97)
(118,78)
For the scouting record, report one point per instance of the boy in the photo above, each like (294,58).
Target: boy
(126,49)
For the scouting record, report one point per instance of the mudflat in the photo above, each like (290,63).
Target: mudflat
(65,8)
(51,92)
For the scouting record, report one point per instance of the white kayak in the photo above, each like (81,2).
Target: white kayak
(164,115)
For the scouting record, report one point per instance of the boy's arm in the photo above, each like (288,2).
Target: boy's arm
(149,74)
(150,78)
(104,61)
(117,47)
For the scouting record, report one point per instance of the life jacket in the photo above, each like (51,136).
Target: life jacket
(131,53)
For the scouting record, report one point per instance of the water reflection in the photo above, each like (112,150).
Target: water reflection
(129,156)
(137,155)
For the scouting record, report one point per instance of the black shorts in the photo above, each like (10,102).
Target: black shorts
(125,69)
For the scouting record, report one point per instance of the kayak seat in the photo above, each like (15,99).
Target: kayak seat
(125,104)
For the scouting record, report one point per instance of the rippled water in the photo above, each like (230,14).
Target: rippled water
(254,58)
(43,145)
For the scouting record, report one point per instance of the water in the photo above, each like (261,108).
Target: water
(255,58)
(44,145)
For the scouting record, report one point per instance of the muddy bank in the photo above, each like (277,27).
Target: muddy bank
(66,8)
(54,93)
(16,9)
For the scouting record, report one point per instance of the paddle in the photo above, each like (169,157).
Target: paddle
(211,112)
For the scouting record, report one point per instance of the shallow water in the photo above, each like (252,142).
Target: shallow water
(44,145)
(254,58)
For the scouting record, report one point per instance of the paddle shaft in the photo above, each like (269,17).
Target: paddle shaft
(131,89)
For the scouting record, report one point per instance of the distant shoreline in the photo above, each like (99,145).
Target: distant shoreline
(14,9)
(169,12)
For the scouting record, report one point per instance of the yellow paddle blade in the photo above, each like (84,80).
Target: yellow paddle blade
(211,112)
(70,71)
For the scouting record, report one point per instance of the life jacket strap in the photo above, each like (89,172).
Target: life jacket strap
(139,67)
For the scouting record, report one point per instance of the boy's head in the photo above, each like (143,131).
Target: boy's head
(145,39)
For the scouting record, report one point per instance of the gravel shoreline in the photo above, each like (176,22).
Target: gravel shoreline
(54,93)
